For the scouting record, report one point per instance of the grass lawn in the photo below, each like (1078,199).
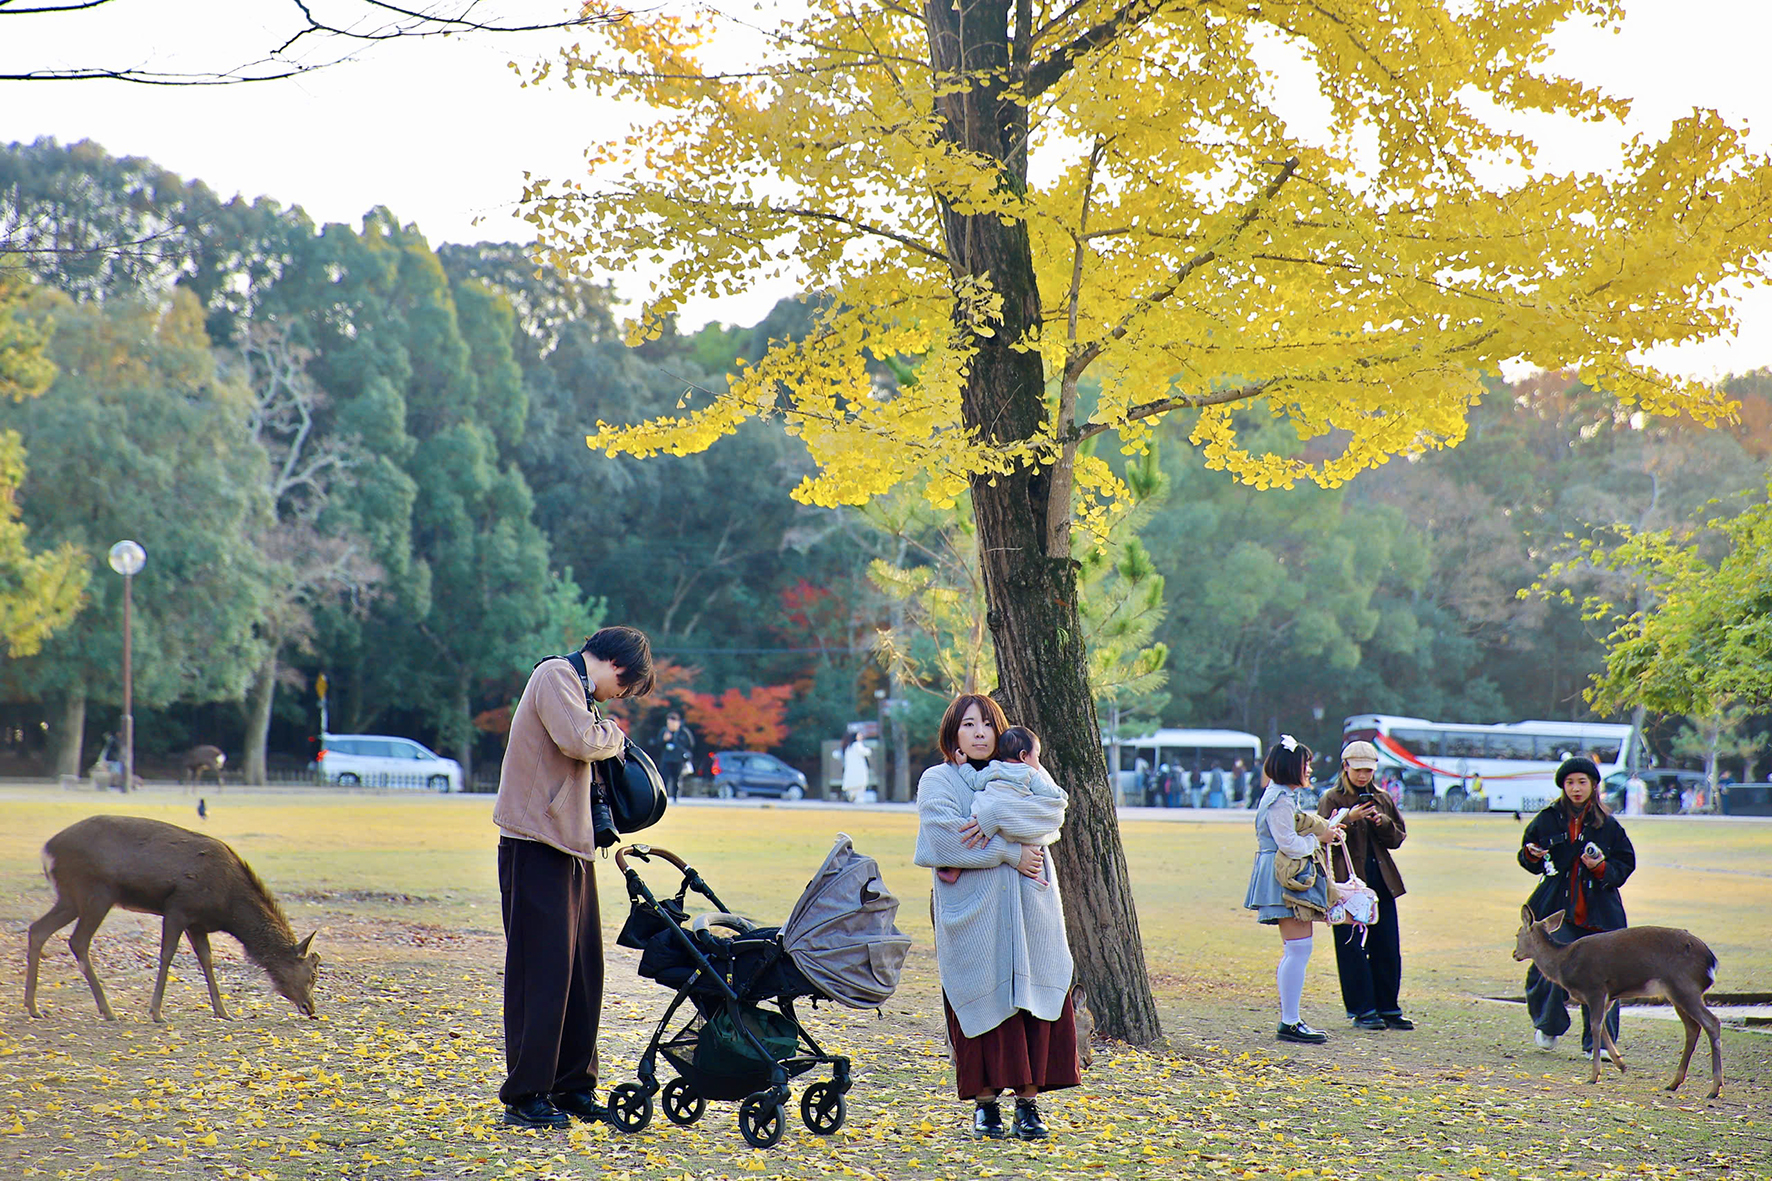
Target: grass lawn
(397,1077)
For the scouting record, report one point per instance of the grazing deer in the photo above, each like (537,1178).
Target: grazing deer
(1637,961)
(196,883)
(200,759)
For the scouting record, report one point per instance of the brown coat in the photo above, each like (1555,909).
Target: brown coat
(1366,835)
(544,784)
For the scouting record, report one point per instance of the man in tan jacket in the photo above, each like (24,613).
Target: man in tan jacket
(553,933)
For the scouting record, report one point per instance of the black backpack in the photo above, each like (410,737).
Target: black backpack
(631,783)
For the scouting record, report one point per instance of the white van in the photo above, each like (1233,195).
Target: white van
(383,760)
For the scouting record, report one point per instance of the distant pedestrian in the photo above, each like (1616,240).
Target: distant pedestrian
(202,809)
(857,769)
(676,751)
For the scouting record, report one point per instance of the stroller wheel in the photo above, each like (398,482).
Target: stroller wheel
(822,1108)
(630,1107)
(760,1123)
(681,1104)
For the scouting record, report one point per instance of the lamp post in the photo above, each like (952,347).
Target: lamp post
(127,559)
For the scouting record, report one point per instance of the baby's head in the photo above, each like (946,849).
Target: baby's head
(1019,745)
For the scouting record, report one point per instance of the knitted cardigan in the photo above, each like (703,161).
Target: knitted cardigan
(999,937)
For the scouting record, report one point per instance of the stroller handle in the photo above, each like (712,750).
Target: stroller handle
(647,853)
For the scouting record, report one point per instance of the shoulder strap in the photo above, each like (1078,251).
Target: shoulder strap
(577,661)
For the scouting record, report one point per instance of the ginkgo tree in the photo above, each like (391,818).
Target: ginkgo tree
(1008,195)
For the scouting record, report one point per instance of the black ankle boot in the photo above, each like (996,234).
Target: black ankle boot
(1027,1122)
(987,1121)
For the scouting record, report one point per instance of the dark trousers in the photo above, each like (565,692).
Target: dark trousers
(553,970)
(1549,1004)
(670,772)
(1371,976)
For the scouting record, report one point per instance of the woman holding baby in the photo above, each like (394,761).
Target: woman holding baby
(987,816)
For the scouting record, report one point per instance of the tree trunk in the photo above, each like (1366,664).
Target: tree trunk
(1043,680)
(464,749)
(70,733)
(258,719)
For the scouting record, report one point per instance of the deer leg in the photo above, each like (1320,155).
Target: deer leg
(1713,1028)
(59,916)
(1691,1024)
(200,945)
(1596,1020)
(80,943)
(1606,1032)
(171,930)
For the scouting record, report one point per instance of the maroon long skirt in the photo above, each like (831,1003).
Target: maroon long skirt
(1022,1052)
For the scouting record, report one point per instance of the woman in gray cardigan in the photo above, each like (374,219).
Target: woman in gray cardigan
(1000,941)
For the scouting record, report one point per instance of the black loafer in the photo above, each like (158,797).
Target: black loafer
(1298,1031)
(1026,1123)
(987,1122)
(535,1112)
(580,1105)
(1369,1021)
(1397,1021)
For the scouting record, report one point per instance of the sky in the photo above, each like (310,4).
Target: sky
(442,132)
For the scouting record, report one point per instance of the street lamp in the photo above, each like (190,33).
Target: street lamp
(127,559)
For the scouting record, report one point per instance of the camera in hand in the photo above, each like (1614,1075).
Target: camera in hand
(1364,797)
(603,823)
(1594,851)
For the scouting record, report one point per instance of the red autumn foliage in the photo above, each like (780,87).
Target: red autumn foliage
(742,721)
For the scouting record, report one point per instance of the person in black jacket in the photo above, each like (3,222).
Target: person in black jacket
(1582,857)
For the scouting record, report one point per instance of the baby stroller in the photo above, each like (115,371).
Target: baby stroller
(838,944)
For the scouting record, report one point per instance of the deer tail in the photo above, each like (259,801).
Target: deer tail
(48,865)
(1710,970)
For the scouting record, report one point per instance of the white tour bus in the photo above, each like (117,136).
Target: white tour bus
(1190,751)
(1516,761)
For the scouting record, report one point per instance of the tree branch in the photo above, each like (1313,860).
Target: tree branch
(434,20)
(1046,73)
(1081,361)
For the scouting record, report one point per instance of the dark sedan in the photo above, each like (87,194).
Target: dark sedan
(741,773)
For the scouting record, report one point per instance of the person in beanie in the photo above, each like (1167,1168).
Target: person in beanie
(1582,856)
(553,986)
(1370,963)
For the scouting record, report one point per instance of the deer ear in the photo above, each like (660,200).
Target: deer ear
(1079,997)
(301,949)
(1553,922)
(1526,919)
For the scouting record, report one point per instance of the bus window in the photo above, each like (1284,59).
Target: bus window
(1417,742)
(1510,746)
(1554,748)
(1463,746)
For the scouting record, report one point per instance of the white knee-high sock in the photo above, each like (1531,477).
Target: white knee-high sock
(1294,955)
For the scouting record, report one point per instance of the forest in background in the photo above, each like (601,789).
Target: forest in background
(348,451)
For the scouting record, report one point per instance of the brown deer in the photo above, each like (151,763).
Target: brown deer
(1637,961)
(200,759)
(196,883)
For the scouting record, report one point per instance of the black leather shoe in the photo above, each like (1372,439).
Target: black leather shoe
(987,1122)
(1298,1031)
(581,1105)
(535,1112)
(1027,1124)
(1370,1021)
(1397,1021)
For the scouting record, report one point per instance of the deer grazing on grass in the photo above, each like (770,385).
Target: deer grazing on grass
(196,883)
(200,759)
(1636,961)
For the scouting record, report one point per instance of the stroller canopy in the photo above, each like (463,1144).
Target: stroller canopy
(841,933)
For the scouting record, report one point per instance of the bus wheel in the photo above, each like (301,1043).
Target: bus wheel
(1455,799)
